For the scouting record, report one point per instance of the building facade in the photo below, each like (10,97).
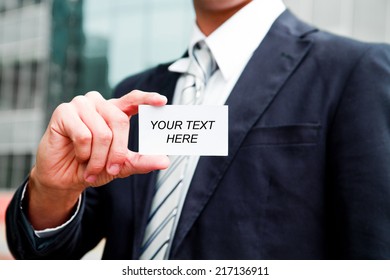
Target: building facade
(42,63)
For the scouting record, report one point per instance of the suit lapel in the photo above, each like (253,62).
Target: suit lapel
(272,63)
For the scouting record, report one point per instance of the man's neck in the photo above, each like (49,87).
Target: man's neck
(209,19)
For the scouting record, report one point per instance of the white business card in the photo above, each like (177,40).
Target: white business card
(183,130)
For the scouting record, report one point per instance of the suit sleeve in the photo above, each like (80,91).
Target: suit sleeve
(359,161)
(72,242)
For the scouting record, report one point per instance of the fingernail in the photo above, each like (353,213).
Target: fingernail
(114,169)
(91,179)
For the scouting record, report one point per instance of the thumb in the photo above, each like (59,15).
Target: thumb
(129,103)
(141,164)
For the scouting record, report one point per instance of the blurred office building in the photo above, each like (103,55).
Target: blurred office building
(42,63)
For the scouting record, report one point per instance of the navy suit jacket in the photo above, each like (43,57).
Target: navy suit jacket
(307,175)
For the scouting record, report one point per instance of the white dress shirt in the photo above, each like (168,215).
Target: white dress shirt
(232,45)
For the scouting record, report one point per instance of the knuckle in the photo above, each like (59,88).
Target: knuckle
(61,113)
(63,107)
(83,139)
(122,122)
(79,99)
(93,94)
(96,167)
(135,91)
(104,137)
(119,155)
(82,155)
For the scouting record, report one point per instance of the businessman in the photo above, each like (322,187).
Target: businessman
(308,170)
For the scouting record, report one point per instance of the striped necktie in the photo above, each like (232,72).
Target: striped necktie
(168,190)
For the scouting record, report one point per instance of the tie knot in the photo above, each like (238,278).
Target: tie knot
(203,64)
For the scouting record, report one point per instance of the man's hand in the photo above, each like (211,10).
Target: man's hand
(85,144)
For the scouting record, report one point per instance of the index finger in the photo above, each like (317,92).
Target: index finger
(129,102)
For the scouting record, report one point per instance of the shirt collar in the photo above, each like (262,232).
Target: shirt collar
(234,42)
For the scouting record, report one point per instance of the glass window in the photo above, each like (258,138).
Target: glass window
(33,77)
(140,34)
(13,170)
(6,87)
(24,91)
(4,161)
(15,84)
(21,165)
(1,82)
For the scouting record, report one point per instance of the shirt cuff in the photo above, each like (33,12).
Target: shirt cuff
(48,232)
